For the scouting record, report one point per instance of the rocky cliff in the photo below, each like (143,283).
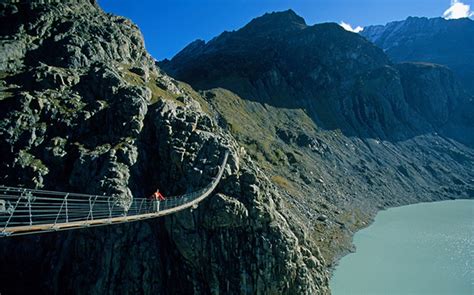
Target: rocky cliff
(85,109)
(334,122)
(434,40)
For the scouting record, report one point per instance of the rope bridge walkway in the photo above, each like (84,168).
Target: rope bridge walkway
(26,211)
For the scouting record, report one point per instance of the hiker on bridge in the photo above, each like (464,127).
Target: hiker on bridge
(157,197)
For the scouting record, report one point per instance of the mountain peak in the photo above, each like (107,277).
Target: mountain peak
(286,20)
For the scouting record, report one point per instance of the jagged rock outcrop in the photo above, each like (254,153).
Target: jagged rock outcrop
(433,40)
(84,109)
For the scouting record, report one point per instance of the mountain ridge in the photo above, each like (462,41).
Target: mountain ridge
(322,60)
(435,40)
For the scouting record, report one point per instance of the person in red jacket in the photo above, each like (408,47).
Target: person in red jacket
(157,197)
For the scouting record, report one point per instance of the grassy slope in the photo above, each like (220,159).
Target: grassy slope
(255,126)
(346,179)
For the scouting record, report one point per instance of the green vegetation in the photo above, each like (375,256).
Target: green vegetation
(26,159)
(66,108)
(334,239)
(281,182)
(4,93)
(253,124)
(249,126)
(196,96)
(156,87)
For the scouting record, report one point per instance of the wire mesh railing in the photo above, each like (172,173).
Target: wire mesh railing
(26,211)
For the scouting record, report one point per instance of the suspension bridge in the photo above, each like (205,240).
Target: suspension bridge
(28,211)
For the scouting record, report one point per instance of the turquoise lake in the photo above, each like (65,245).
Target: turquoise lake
(426,248)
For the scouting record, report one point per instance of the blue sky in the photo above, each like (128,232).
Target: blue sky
(169,25)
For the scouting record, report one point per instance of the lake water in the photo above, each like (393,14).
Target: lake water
(419,249)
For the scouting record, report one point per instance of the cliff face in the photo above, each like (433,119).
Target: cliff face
(334,122)
(434,40)
(85,109)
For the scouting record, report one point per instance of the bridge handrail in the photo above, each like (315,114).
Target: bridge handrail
(34,211)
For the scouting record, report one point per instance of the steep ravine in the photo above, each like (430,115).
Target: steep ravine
(85,109)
